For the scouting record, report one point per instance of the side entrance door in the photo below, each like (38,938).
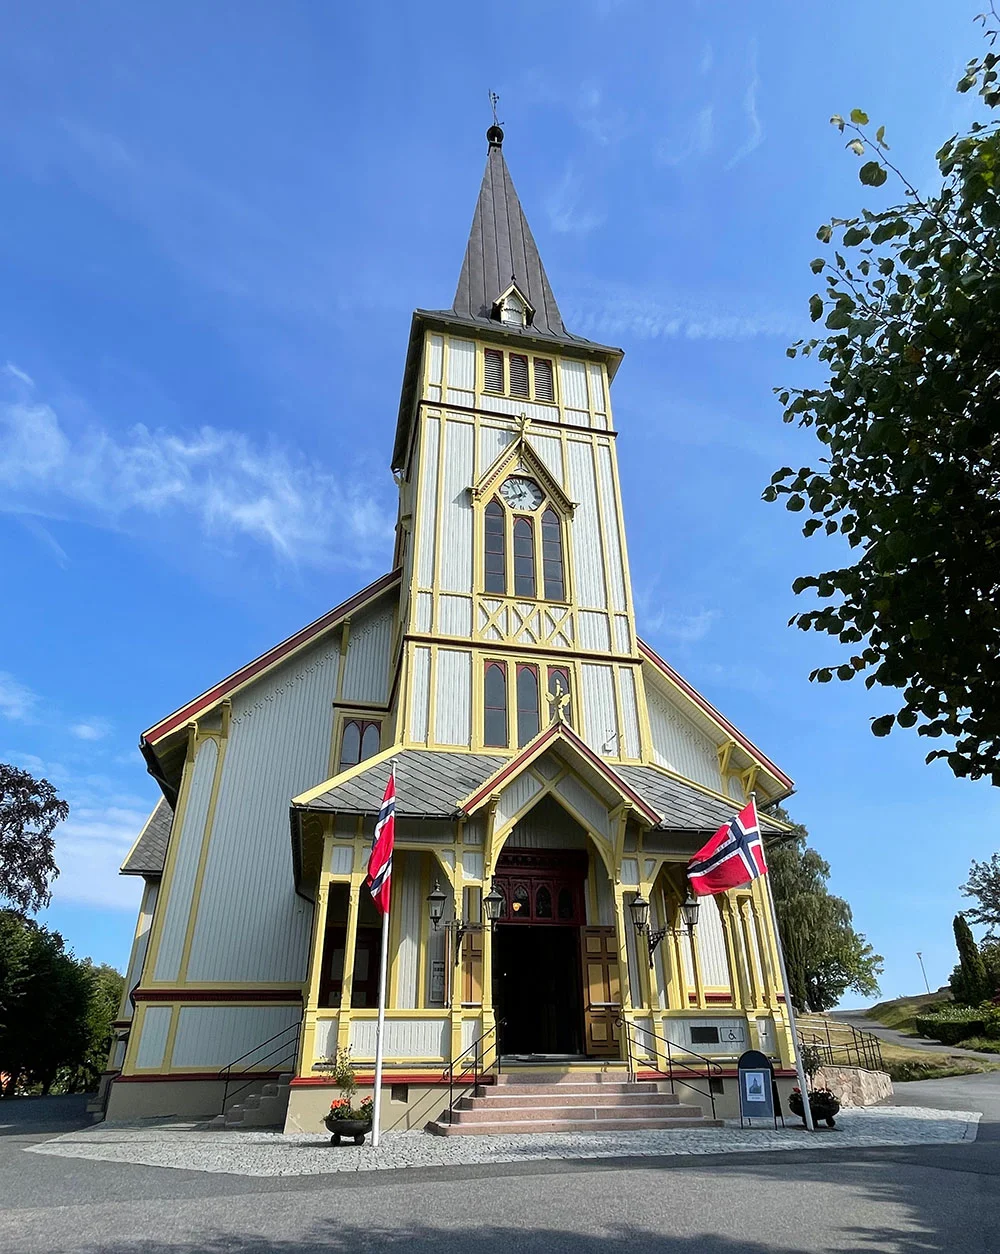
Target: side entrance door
(602,993)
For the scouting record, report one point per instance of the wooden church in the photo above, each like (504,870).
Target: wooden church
(553,776)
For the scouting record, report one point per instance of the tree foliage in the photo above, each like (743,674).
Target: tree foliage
(54,1010)
(970,982)
(824,954)
(908,417)
(29,811)
(983,884)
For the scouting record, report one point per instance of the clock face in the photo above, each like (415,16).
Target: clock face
(521,493)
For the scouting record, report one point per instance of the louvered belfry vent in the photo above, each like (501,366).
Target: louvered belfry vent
(518,375)
(493,380)
(544,391)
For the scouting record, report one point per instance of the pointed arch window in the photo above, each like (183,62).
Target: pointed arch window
(496,548)
(360,739)
(552,556)
(527,704)
(524,557)
(495,705)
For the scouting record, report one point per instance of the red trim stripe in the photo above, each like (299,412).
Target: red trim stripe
(193,708)
(284,995)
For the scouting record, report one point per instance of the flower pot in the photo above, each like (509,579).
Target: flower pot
(822,1103)
(354,1128)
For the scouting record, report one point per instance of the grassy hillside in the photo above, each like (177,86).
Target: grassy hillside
(901,1013)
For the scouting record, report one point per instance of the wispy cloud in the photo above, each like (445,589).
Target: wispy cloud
(13,371)
(756,128)
(17,701)
(688,140)
(232,488)
(655,619)
(93,729)
(567,208)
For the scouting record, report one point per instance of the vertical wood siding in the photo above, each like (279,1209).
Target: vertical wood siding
(678,744)
(573,381)
(549,450)
(214,1036)
(425,607)
(406,876)
(342,860)
(404,1038)
(462,364)
(139,946)
(583,801)
(456,522)
(153,1042)
(180,888)
(609,508)
(547,827)
(600,722)
(492,442)
(420,694)
(596,381)
(455,617)
(630,710)
(594,631)
(436,357)
(427,507)
(712,946)
(453,703)
(366,672)
(516,795)
(251,925)
(588,562)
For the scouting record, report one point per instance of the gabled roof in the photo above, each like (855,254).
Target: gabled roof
(147,855)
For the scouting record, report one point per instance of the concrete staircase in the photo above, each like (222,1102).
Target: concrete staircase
(572,1101)
(260,1105)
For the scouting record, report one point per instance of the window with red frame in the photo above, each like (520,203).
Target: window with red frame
(495,705)
(559,682)
(524,558)
(527,704)
(360,739)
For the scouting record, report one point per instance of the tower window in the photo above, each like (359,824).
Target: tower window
(359,740)
(544,389)
(527,704)
(493,376)
(524,558)
(558,684)
(495,705)
(518,375)
(513,310)
(496,556)
(552,560)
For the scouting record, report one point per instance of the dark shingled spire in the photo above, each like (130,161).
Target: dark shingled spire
(501,251)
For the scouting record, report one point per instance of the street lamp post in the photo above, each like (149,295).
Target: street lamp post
(920,958)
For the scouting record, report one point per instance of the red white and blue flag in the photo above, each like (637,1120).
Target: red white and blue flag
(379,879)
(734,856)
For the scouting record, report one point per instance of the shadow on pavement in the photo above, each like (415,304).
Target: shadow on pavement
(44,1116)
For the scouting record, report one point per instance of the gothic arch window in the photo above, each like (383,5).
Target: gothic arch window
(552,557)
(559,685)
(495,534)
(360,739)
(524,557)
(527,704)
(543,903)
(523,542)
(495,705)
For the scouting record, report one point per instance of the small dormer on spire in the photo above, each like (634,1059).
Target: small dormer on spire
(512,307)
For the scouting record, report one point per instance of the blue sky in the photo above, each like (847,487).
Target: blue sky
(214,223)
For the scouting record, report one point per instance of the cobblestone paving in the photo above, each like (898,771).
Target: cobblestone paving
(302,1154)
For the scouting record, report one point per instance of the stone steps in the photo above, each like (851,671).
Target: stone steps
(558,1096)
(265,1108)
(578,1114)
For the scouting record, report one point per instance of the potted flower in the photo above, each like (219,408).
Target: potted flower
(344,1118)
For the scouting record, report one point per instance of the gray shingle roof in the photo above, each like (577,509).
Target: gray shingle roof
(429,783)
(149,852)
(681,806)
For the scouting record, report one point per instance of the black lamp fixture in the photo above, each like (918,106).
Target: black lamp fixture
(639,910)
(493,904)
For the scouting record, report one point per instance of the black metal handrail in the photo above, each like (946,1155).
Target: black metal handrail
(650,1064)
(286,1048)
(457,1074)
(841,1044)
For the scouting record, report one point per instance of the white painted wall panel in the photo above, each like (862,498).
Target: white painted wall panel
(766,1034)
(436,356)
(455,616)
(251,925)
(461,364)
(595,634)
(516,795)
(420,678)
(573,384)
(549,450)
(214,1036)
(612,542)
(180,888)
(406,869)
(427,506)
(712,945)
(588,563)
(630,710)
(453,698)
(366,671)
(153,1042)
(456,520)
(404,1038)
(547,826)
(325,1040)
(471,1028)
(342,860)
(472,864)
(425,607)
(600,720)
(139,945)
(623,636)
(596,381)
(630,873)
(605,897)
(678,744)
(590,808)
(492,404)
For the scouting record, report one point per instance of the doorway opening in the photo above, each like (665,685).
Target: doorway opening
(538,989)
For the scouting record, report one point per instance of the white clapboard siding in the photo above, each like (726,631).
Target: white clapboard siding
(630,710)
(427,503)
(180,884)
(404,1038)
(153,1041)
(588,561)
(366,672)
(420,680)
(600,720)
(678,744)
(453,703)
(609,508)
(456,508)
(214,1036)
(251,924)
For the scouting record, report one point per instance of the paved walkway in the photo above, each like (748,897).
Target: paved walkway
(274,1154)
(858,1019)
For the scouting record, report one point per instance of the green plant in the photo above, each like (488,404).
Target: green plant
(343,1107)
(812,1060)
(953,1024)
(970,981)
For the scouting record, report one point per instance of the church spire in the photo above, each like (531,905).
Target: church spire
(501,254)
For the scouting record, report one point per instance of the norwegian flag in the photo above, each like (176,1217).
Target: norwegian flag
(734,856)
(379,879)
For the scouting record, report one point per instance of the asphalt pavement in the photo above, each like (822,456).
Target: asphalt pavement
(858,1019)
(903,1201)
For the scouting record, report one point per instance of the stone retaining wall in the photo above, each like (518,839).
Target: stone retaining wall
(854,1086)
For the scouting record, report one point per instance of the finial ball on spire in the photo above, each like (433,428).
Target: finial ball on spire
(495,136)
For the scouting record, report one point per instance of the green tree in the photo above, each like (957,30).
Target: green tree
(984,885)
(907,419)
(970,983)
(824,954)
(106,988)
(29,811)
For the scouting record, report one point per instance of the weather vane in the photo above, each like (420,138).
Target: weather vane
(494,101)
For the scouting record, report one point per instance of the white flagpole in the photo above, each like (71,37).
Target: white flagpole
(789,1008)
(377,1106)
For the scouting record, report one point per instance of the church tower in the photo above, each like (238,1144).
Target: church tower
(553,773)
